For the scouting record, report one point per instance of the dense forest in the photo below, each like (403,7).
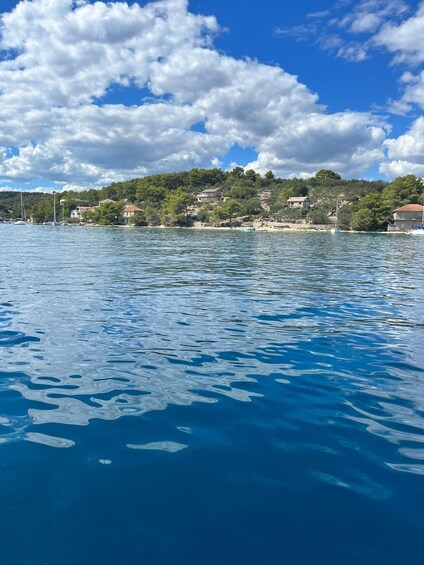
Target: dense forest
(171,199)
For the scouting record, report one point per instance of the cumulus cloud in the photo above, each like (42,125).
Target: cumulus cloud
(406,152)
(413,94)
(342,141)
(405,40)
(61,58)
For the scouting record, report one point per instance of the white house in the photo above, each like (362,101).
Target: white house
(78,212)
(298,202)
(210,196)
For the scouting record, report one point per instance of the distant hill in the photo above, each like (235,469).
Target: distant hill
(172,198)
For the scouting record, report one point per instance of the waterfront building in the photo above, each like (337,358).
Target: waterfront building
(78,212)
(298,202)
(406,217)
(129,211)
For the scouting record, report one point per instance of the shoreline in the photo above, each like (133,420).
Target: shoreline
(270,228)
(266,229)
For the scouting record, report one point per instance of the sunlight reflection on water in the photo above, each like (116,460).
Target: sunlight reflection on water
(101,324)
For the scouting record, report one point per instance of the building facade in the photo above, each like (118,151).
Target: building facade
(407,218)
(130,211)
(298,202)
(210,196)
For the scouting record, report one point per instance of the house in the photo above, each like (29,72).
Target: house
(129,211)
(107,201)
(298,202)
(210,196)
(407,217)
(78,212)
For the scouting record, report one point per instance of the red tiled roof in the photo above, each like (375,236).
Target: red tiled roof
(410,208)
(132,208)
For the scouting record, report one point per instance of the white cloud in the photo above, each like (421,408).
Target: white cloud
(354,51)
(64,56)
(399,168)
(413,93)
(406,153)
(318,15)
(405,40)
(368,15)
(409,145)
(344,142)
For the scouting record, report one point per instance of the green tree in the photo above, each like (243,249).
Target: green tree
(363,220)
(371,215)
(237,173)
(241,191)
(174,211)
(205,177)
(318,215)
(228,210)
(290,214)
(108,214)
(152,215)
(403,190)
(151,194)
(205,212)
(251,206)
(325,174)
(4,211)
(43,211)
(251,176)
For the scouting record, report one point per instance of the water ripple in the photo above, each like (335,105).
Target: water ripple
(294,333)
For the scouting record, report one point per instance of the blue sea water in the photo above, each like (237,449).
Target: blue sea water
(177,397)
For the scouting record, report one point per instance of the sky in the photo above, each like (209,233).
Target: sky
(98,92)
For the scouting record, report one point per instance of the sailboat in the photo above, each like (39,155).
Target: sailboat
(420,229)
(54,222)
(336,228)
(22,221)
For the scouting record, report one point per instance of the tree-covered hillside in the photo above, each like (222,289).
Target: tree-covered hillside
(10,203)
(172,199)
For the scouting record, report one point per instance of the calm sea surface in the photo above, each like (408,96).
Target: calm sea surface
(176,397)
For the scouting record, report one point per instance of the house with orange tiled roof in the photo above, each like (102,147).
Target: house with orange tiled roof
(407,217)
(129,211)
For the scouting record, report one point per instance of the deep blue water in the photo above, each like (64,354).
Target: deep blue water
(176,397)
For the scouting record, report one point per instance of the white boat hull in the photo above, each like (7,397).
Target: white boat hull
(417,232)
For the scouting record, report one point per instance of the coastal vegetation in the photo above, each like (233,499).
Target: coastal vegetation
(179,199)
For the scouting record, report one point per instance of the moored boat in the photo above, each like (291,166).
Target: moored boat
(420,229)
(22,221)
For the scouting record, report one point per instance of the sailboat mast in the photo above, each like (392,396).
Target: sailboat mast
(22,207)
(337,213)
